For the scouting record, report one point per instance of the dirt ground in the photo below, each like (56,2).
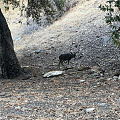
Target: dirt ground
(78,94)
(88,90)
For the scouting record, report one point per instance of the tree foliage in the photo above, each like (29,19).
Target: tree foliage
(112,18)
(14,3)
(51,9)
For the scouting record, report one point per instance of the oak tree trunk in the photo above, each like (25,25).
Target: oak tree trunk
(10,66)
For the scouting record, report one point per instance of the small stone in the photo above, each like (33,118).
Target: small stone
(90,110)
(17,107)
(82,80)
(115,77)
(53,73)
(5,95)
(26,101)
(98,83)
(73,42)
(102,104)
(2,93)
(109,78)
(119,77)
(37,51)
(113,93)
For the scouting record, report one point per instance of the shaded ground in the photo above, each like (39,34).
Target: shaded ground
(77,94)
(64,97)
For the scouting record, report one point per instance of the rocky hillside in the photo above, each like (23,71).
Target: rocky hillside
(27,17)
(82,29)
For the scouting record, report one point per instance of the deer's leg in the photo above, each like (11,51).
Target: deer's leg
(60,62)
(68,62)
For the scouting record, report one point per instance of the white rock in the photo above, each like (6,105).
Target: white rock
(109,78)
(26,101)
(119,77)
(115,77)
(53,73)
(90,109)
(37,51)
(17,107)
(102,104)
(113,93)
(82,80)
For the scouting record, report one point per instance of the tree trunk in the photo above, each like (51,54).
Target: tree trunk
(10,66)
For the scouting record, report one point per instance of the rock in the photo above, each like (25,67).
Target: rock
(17,107)
(37,51)
(73,42)
(4,95)
(53,73)
(102,104)
(115,77)
(119,77)
(90,110)
(82,80)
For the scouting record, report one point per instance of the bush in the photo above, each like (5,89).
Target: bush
(49,8)
(112,9)
(15,3)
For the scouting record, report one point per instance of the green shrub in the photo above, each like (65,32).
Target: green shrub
(15,3)
(60,4)
(112,18)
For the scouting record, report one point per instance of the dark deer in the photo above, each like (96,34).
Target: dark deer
(66,57)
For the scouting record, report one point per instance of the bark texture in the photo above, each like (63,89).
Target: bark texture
(10,66)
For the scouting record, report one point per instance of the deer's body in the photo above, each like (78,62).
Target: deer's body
(66,57)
